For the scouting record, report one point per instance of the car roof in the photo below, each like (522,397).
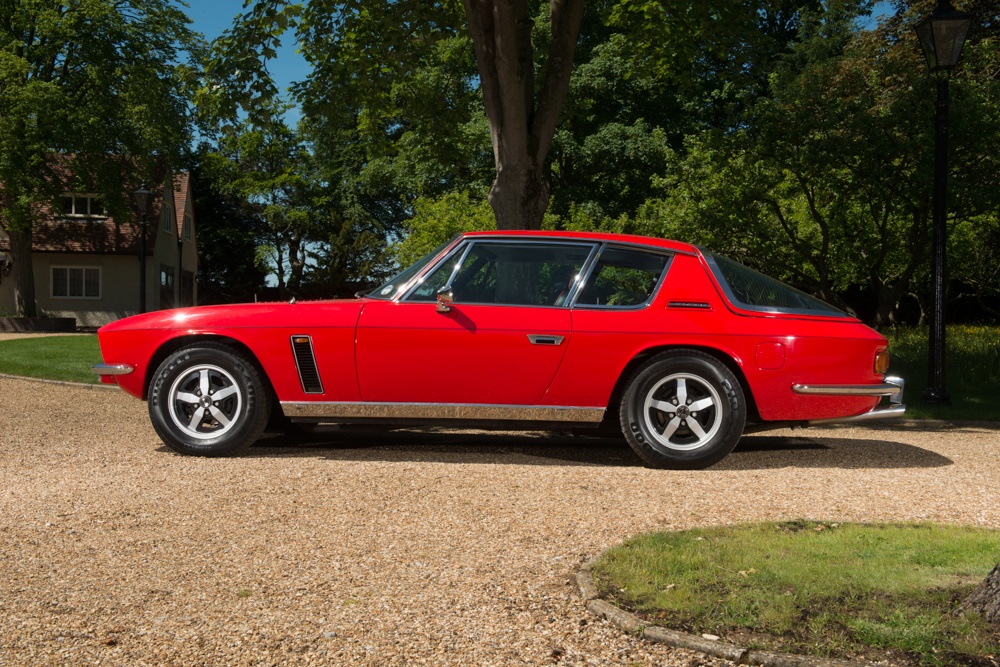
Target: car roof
(666,244)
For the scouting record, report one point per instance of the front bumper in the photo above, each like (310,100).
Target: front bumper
(111,369)
(892,388)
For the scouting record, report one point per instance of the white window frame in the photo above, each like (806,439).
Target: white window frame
(187,227)
(85,196)
(84,269)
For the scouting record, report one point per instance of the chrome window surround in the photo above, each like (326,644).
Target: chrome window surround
(735,302)
(634,247)
(466,246)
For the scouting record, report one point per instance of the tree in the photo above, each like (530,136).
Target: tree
(267,167)
(380,41)
(95,90)
(228,230)
(827,182)
(522,119)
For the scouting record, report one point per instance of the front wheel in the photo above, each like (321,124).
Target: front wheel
(683,410)
(208,399)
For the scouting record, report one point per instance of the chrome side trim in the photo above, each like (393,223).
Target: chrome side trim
(335,410)
(112,369)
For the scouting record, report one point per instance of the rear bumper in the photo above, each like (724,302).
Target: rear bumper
(891,388)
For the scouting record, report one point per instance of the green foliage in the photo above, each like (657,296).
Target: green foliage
(813,587)
(827,185)
(777,131)
(85,80)
(66,358)
(94,95)
(972,356)
(229,229)
(437,220)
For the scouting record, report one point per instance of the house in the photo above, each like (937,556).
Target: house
(86,264)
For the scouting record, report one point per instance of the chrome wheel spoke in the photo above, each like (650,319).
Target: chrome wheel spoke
(696,428)
(196,418)
(224,393)
(671,428)
(198,412)
(187,398)
(219,416)
(702,404)
(682,392)
(683,412)
(663,406)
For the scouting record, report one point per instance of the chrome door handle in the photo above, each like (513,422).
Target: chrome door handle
(538,339)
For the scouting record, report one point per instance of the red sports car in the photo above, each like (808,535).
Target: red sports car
(681,349)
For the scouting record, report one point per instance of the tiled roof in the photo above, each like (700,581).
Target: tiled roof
(104,235)
(181,182)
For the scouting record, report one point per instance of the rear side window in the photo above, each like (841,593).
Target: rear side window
(623,278)
(755,291)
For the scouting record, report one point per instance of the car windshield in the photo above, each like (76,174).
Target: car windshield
(755,291)
(397,282)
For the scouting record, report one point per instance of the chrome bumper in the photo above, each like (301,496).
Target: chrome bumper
(892,387)
(112,369)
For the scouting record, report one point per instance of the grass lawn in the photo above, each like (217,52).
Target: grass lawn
(826,589)
(51,357)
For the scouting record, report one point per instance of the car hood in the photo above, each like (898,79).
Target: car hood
(332,313)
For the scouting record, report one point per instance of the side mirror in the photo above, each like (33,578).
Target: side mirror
(445,298)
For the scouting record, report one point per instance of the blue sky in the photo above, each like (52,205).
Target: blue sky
(211,17)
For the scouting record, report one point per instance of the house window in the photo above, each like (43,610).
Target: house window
(166,286)
(78,206)
(187,227)
(76,282)
(166,216)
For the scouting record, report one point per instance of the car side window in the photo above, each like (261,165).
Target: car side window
(623,278)
(509,273)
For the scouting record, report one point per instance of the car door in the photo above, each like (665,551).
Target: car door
(612,322)
(500,342)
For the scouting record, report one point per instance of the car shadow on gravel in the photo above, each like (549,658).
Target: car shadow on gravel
(758,452)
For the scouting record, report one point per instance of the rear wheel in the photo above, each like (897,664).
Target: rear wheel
(684,409)
(208,399)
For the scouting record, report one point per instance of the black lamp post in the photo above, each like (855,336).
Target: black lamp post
(142,204)
(942,36)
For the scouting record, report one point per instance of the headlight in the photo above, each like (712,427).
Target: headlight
(882,362)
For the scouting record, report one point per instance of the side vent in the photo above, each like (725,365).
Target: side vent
(697,305)
(305,362)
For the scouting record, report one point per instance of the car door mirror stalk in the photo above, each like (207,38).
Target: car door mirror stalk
(445,297)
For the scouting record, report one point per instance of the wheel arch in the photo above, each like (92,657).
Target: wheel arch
(174,344)
(642,357)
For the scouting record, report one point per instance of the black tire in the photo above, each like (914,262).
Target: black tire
(184,417)
(683,410)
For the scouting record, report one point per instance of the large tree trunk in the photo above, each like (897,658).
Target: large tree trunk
(985,598)
(24,275)
(521,127)
(519,196)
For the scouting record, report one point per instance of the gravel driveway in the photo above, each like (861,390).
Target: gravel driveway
(391,548)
